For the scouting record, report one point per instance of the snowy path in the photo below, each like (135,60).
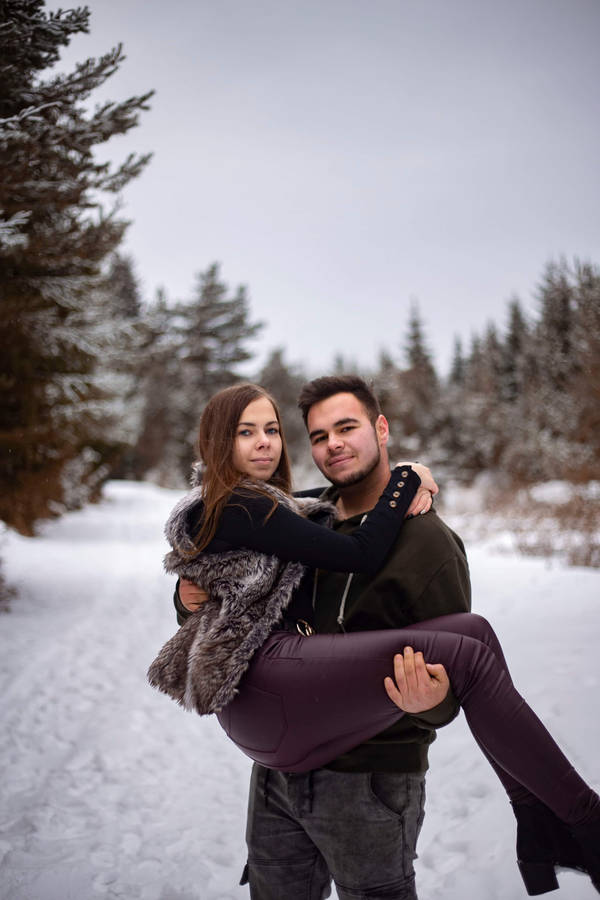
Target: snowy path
(110,790)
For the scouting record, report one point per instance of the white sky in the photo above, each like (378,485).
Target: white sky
(342,157)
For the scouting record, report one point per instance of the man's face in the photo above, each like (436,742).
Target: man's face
(346,447)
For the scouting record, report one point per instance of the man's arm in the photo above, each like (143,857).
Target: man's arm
(447,591)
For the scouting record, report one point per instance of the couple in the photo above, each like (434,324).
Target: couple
(340,789)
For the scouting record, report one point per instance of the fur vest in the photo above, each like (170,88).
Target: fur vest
(201,665)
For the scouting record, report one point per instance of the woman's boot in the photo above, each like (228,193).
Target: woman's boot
(543,842)
(588,841)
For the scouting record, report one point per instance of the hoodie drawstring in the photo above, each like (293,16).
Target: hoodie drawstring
(342,608)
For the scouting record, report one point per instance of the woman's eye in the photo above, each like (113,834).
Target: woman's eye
(272,430)
(244,432)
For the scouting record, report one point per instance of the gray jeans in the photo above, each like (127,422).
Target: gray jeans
(359,829)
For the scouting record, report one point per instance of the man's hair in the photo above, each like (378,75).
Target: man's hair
(325,387)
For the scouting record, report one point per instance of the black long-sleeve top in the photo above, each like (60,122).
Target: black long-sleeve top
(245,522)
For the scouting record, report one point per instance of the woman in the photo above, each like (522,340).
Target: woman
(241,537)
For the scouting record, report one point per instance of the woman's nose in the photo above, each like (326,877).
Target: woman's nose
(262,440)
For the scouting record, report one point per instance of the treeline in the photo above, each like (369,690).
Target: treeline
(523,399)
(98,383)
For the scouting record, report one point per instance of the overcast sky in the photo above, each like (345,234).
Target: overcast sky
(344,157)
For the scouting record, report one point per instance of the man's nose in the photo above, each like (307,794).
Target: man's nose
(334,442)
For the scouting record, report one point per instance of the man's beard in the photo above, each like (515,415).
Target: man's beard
(356,477)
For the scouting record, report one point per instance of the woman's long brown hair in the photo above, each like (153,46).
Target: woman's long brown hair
(216,439)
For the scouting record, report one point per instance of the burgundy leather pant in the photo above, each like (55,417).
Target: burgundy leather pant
(306,700)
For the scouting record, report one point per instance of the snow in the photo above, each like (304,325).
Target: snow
(563,492)
(110,790)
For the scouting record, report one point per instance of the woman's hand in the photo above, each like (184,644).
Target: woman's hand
(423,499)
(191,596)
(421,503)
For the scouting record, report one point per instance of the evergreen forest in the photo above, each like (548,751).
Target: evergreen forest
(99,382)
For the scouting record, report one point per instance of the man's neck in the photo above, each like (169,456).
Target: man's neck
(361,497)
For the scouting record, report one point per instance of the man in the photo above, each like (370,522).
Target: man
(357,820)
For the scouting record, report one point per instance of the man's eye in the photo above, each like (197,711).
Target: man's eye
(347,428)
(317,440)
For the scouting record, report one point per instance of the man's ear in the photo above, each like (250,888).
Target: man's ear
(382,430)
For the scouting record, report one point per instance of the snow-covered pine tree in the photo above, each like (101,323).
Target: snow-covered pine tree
(121,336)
(122,284)
(156,454)
(197,350)
(515,347)
(457,366)
(418,393)
(556,324)
(467,432)
(494,413)
(214,328)
(480,404)
(450,430)
(342,364)
(548,390)
(385,383)
(54,236)
(519,383)
(585,386)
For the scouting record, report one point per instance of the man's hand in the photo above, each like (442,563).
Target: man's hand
(419,685)
(191,596)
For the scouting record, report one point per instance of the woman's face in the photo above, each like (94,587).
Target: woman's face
(257,446)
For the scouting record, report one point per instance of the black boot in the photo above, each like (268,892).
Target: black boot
(535,854)
(588,841)
(543,842)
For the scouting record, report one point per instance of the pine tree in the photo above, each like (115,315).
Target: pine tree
(548,395)
(519,384)
(121,337)
(465,411)
(214,329)
(419,389)
(514,350)
(457,366)
(585,387)
(156,454)
(386,385)
(54,236)
(556,325)
(123,287)
(342,364)
(196,349)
